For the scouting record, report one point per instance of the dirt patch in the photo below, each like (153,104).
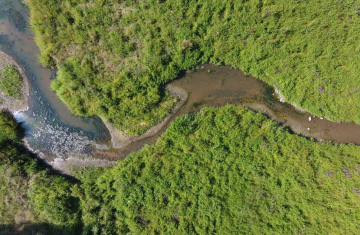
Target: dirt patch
(9,103)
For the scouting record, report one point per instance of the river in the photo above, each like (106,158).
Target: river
(63,139)
(51,130)
(217,86)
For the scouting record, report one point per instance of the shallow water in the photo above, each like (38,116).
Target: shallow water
(50,127)
(54,131)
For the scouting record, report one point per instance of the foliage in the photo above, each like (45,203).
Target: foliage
(53,200)
(31,197)
(115,56)
(227,171)
(10,81)
(9,129)
(232,171)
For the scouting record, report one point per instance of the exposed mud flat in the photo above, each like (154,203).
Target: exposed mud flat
(65,165)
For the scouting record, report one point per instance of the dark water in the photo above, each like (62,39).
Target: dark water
(53,130)
(50,127)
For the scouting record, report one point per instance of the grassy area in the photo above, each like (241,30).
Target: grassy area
(226,171)
(10,81)
(114,57)
(26,185)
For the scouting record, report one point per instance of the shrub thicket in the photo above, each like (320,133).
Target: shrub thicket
(227,171)
(114,56)
(31,197)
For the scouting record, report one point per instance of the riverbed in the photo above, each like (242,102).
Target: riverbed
(63,139)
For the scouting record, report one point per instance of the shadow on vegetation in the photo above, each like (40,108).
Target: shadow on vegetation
(38,229)
(20,134)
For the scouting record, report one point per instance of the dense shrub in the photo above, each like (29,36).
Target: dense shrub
(115,56)
(31,196)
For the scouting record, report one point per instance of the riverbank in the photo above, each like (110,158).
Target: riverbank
(119,140)
(282,99)
(217,86)
(10,104)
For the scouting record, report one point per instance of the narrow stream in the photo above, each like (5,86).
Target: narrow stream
(52,130)
(50,127)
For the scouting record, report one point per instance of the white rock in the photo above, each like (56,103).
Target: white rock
(309,119)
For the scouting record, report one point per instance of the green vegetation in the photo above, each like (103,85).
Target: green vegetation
(115,56)
(10,81)
(222,171)
(31,197)
(229,171)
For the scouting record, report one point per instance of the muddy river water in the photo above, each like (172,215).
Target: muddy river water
(64,139)
(221,85)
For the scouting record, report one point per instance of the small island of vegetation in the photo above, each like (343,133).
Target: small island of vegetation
(14,86)
(10,81)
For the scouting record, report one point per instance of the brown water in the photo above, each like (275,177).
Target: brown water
(54,131)
(224,85)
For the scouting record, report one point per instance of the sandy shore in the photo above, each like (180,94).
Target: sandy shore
(65,165)
(9,103)
(119,140)
(281,98)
